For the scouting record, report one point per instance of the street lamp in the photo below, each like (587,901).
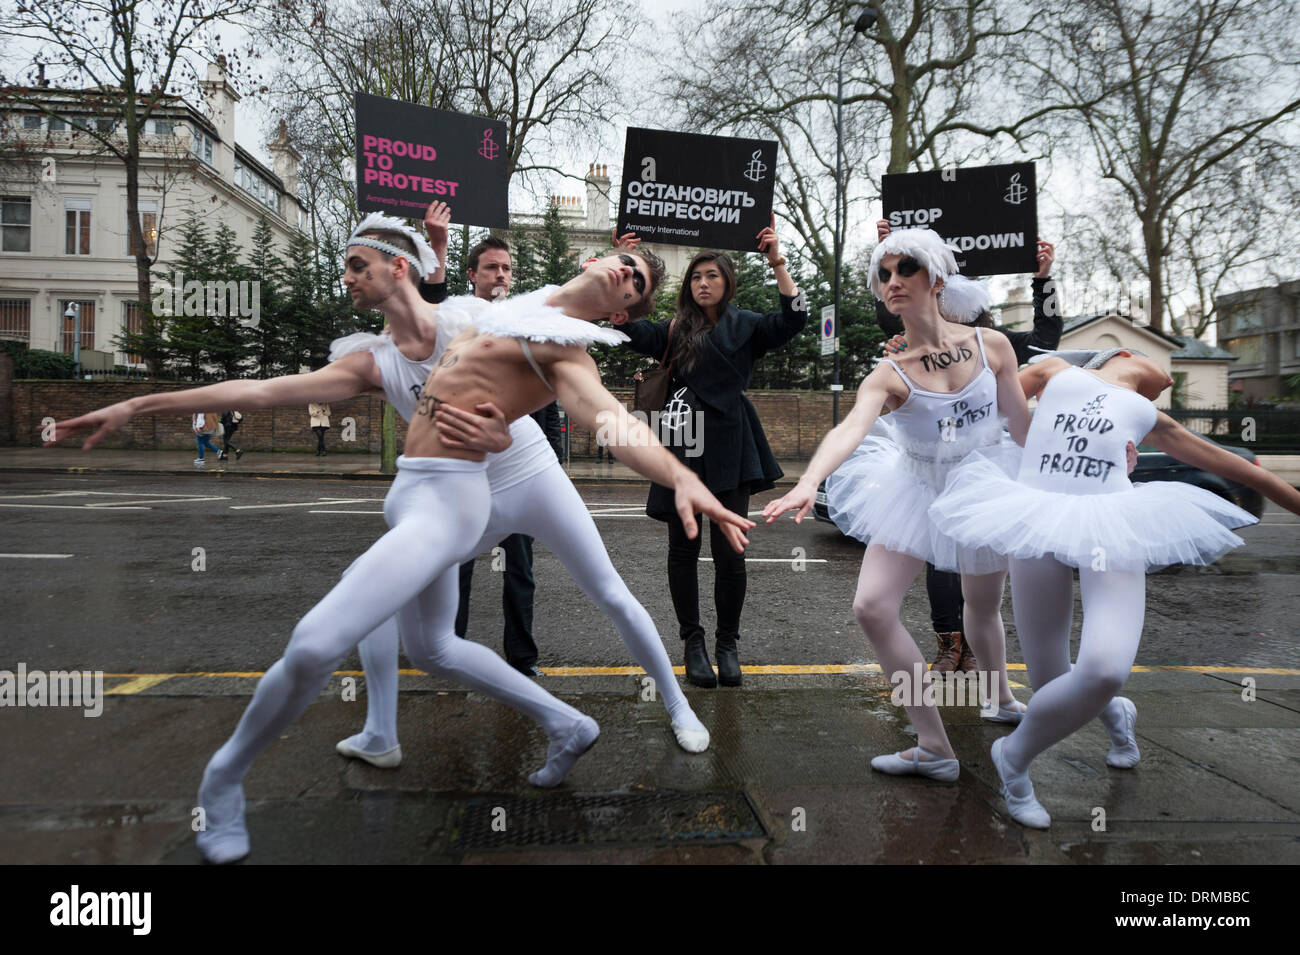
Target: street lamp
(864,23)
(74,313)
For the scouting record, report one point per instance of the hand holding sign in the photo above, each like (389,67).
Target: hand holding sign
(629,241)
(769,245)
(1046,256)
(436,219)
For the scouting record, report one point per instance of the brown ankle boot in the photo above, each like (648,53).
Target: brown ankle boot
(967,662)
(950,647)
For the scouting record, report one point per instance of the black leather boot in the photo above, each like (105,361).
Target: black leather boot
(728,662)
(699,672)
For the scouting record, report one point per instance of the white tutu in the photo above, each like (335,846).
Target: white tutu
(1148,525)
(882,495)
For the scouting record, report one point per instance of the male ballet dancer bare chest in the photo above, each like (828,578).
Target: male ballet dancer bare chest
(477,368)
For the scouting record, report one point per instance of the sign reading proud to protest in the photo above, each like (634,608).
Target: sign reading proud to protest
(409,156)
(688,189)
(988,215)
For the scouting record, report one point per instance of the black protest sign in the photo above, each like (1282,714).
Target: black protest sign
(988,215)
(409,156)
(688,189)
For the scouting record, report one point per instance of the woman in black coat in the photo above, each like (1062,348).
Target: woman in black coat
(713,428)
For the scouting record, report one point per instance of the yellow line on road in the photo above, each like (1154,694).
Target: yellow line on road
(140,681)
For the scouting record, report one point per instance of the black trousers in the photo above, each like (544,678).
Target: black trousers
(516,601)
(728,573)
(225,438)
(320,430)
(944,590)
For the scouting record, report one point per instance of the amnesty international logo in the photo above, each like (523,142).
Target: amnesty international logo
(1016,193)
(488,149)
(676,412)
(756,169)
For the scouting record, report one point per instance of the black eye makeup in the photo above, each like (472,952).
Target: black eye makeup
(638,280)
(907,267)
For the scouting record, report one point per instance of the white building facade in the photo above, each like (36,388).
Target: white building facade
(63,222)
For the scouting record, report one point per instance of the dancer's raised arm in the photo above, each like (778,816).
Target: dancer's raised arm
(838,444)
(1176,441)
(349,376)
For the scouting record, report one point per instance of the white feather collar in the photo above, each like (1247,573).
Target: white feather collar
(525,316)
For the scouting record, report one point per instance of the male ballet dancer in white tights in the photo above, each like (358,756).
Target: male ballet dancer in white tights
(379,279)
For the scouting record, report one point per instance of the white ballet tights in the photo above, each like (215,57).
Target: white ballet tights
(433,511)
(1065,698)
(546,507)
(882,583)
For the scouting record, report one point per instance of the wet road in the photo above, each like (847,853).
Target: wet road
(134,593)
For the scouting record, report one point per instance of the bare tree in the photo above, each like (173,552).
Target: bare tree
(544,67)
(923,88)
(1172,99)
(113,65)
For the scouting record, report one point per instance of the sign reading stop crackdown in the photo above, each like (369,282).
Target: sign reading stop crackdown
(688,189)
(409,156)
(988,215)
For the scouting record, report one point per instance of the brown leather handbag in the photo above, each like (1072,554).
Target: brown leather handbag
(651,393)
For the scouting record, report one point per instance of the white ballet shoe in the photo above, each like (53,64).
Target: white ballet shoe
(1026,810)
(1125,755)
(388,759)
(944,770)
(562,754)
(1012,712)
(222,842)
(690,739)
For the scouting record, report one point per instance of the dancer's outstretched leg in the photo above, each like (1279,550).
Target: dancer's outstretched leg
(1114,605)
(983,618)
(432,508)
(426,625)
(1042,596)
(377,742)
(882,583)
(565,526)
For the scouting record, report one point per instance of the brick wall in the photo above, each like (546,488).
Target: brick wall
(795,421)
(6,399)
(278,429)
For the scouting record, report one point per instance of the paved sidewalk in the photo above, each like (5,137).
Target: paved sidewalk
(787,779)
(273,464)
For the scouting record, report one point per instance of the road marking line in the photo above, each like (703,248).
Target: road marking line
(138,683)
(106,505)
(36,556)
(322,501)
(778,560)
(73,507)
(346,512)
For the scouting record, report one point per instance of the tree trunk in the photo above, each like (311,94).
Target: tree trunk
(1153,240)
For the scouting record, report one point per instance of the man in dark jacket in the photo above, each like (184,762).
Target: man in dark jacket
(943,588)
(490,272)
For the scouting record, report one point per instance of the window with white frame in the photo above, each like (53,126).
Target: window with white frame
(148,228)
(77,223)
(16,223)
(202,146)
(133,324)
(256,186)
(16,319)
(162,127)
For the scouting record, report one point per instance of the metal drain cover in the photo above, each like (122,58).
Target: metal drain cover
(603,819)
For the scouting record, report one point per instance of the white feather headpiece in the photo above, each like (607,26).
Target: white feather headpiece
(427,262)
(962,299)
(924,245)
(524,316)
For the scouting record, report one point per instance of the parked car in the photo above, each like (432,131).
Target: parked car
(1153,465)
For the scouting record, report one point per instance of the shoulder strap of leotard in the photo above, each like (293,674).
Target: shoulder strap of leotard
(528,353)
(979,337)
(907,381)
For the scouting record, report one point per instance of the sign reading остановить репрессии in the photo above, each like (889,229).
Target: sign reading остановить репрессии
(688,189)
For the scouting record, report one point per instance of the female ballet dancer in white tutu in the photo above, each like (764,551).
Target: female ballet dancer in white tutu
(1068,504)
(947,395)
